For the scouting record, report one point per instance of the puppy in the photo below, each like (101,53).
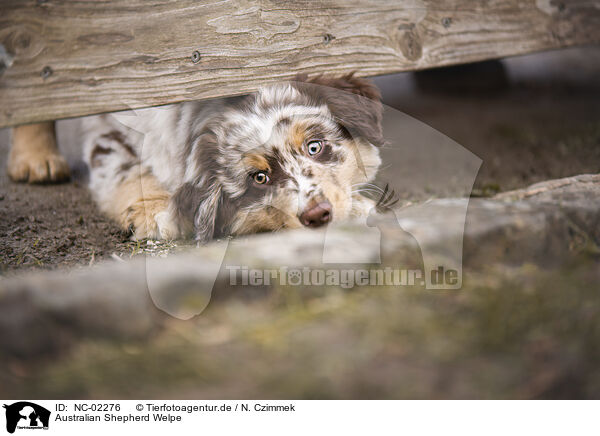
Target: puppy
(288,156)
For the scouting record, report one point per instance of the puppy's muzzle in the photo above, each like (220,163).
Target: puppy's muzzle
(317,215)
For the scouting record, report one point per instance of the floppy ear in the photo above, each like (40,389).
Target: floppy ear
(206,214)
(355,103)
(195,204)
(196,207)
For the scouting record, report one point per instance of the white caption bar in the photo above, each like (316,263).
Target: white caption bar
(22,417)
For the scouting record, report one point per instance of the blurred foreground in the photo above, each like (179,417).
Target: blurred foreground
(526,323)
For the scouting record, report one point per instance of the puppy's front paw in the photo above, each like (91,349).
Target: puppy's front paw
(141,217)
(42,167)
(167,228)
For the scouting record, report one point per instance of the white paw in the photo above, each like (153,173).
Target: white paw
(167,228)
(140,233)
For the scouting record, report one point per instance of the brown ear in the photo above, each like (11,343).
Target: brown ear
(196,207)
(196,203)
(354,102)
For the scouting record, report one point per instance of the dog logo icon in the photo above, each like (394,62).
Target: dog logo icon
(26,415)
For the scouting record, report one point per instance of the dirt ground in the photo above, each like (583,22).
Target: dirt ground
(540,120)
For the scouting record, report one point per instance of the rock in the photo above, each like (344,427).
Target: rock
(46,312)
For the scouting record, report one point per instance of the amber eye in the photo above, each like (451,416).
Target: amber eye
(314,147)
(261,178)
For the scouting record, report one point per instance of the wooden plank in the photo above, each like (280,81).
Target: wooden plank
(72,58)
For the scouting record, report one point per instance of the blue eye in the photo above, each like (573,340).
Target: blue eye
(314,147)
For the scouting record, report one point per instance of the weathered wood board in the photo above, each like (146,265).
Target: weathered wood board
(70,58)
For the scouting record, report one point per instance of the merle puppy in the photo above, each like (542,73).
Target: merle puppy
(287,156)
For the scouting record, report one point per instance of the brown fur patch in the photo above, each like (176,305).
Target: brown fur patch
(357,108)
(257,161)
(348,83)
(136,203)
(117,136)
(96,152)
(328,155)
(125,166)
(262,220)
(297,135)
(34,156)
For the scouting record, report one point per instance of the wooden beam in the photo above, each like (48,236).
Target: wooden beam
(70,58)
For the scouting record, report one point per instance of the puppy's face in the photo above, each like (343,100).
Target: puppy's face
(303,175)
(294,155)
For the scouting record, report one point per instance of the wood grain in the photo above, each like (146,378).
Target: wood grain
(72,58)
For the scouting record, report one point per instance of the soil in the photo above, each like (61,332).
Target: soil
(525,129)
(54,226)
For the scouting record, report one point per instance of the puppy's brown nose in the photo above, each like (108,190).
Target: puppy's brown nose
(316,216)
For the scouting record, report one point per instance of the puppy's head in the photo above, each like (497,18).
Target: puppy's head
(291,155)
